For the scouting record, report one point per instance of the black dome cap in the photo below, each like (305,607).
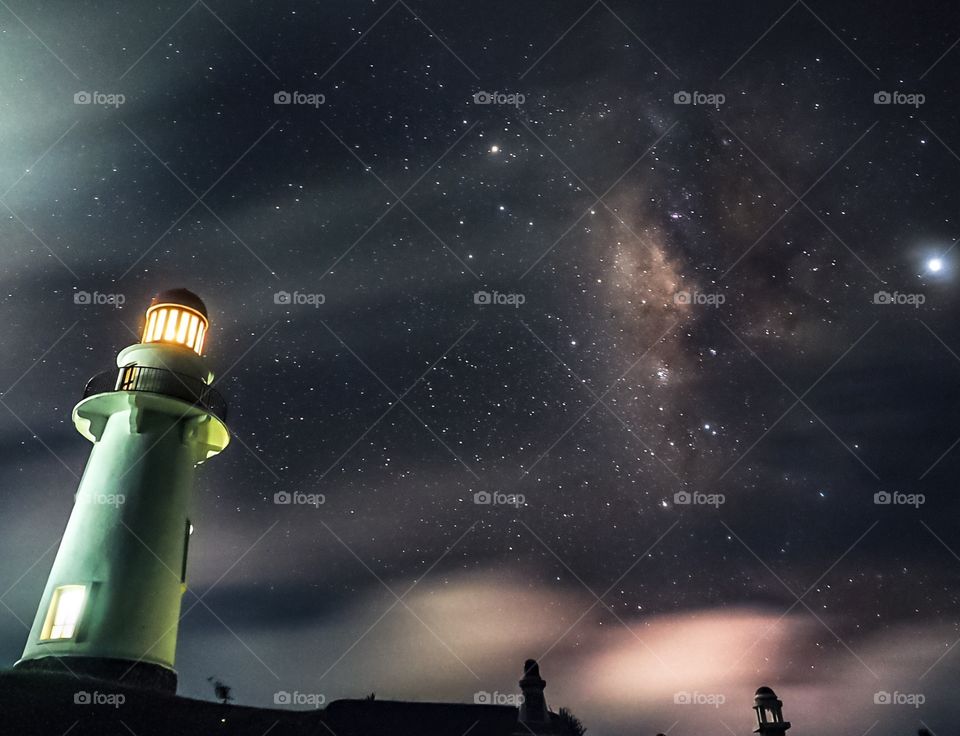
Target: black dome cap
(183,297)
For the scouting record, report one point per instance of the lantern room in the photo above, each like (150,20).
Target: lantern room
(177,317)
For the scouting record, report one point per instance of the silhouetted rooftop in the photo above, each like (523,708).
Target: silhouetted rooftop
(43,704)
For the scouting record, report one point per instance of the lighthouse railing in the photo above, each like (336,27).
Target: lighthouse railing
(159,381)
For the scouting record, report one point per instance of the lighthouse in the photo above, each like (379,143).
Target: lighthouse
(111,605)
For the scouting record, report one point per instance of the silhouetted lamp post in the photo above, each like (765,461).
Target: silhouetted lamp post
(769,711)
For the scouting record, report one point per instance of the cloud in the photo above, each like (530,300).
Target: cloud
(472,632)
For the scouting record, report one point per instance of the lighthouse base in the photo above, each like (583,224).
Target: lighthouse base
(145,675)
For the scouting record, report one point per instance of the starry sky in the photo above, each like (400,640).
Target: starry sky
(683,347)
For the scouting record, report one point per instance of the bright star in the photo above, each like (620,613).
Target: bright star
(935,265)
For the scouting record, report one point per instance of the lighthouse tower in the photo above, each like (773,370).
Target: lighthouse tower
(111,605)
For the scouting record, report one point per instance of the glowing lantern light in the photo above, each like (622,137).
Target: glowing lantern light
(176,318)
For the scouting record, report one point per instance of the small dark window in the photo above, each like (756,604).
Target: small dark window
(129,378)
(187,531)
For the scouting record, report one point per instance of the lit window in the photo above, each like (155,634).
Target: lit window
(129,378)
(175,324)
(63,616)
(194,323)
(182,329)
(151,322)
(171,331)
(158,328)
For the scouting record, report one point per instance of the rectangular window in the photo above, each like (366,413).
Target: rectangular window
(158,327)
(128,379)
(171,330)
(182,329)
(188,530)
(63,616)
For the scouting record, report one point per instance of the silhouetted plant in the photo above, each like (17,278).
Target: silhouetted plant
(570,724)
(222,691)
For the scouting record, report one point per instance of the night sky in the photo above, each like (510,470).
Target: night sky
(688,299)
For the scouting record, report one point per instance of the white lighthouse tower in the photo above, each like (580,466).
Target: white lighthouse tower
(111,605)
